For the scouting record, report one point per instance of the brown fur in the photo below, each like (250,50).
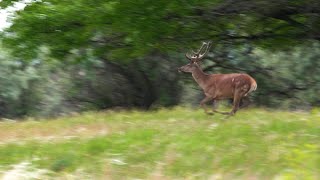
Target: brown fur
(218,86)
(221,86)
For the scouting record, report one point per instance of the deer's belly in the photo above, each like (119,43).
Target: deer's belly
(220,95)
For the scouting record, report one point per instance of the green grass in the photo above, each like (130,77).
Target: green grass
(177,143)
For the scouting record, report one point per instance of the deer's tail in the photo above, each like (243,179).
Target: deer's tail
(253,86)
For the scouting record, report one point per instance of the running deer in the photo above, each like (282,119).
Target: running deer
(218,86)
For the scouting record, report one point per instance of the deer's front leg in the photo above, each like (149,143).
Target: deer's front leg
(203,104)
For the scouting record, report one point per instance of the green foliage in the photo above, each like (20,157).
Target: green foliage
(31,88)
(130,29)
(15,81)
(294,75)
(7,3)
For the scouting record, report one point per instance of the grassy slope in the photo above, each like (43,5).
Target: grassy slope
(168,144)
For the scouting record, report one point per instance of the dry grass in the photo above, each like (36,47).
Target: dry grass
(33,130)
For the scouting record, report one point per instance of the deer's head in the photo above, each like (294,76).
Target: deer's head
(195,58)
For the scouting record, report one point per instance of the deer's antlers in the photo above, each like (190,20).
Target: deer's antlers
(198,56)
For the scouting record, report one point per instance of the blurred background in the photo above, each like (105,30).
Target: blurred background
(63,56)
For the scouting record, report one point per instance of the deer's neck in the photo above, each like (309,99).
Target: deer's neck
(200,77)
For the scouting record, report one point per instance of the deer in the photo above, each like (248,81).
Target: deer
(218,86)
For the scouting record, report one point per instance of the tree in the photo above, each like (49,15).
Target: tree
(130,36)
(137,28)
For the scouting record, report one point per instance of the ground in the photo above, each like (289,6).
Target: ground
(177,143)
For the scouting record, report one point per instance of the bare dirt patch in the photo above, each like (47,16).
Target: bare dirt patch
(19,133)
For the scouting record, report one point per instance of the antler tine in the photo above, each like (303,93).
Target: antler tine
(206,49)
(197,56)
(188,56)
(197,53)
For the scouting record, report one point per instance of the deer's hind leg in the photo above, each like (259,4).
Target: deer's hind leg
(236,101)
(245,102)
(235,107)
(239,93)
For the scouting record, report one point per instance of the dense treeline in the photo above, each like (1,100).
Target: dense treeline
(65,56)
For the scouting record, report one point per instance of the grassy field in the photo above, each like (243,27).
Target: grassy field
(178,143)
